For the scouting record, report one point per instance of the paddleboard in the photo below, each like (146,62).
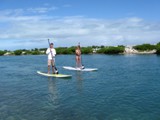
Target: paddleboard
(54,75)
(79,69)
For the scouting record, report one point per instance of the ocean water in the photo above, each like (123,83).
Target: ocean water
(125,87)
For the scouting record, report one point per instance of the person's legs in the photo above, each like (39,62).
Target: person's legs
(49,64)
(48,69)
(76,61)
(80,64)
(53,69)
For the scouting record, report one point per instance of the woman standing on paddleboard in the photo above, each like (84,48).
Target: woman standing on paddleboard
(51,58)
(78,56)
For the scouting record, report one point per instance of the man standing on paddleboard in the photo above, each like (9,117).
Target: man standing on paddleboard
(51,58)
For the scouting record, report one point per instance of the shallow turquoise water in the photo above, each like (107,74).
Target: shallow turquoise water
(126,87)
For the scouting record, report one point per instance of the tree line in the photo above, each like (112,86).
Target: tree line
(148,47)
(68,50)
(85,50)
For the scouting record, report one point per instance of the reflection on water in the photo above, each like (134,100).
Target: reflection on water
(79,81)
(53,94)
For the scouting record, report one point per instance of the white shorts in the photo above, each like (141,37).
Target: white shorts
(51,62)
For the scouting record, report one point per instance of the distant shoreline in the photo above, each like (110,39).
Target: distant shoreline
(138,49)
(144,53)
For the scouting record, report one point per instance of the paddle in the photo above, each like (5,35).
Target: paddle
(55,69)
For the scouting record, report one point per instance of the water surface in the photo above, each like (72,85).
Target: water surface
(126,87)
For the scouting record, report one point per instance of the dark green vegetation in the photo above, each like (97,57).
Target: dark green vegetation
(18,52)
(85,50)
(2,52)
(145,47)
(65,50)
(71,50)
(148,47)
(158,48)
(111,50)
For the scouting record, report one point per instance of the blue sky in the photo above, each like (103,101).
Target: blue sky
(29,23)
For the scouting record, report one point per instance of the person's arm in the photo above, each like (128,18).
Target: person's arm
(48,51)
(76,52)
(53,52)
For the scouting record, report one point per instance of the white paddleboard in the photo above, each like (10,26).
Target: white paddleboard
(79,69)
(54,75)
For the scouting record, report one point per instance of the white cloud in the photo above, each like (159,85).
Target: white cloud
(68,31)
(18,12)
(41,9)
(11,12)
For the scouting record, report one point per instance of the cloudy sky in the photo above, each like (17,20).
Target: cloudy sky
(29,23)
